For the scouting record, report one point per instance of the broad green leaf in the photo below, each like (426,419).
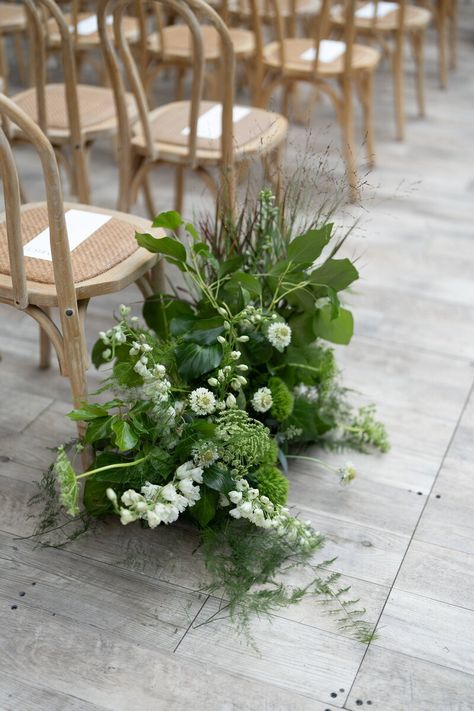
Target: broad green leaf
(305,416)
(167,246)
(125,437)
(190,229)
(218,479)
(257,350)
(205,509)
(170,220)
(95,499)
(337,330)
(87,412)
(97,353)
(230,265)
(302,328)
(125,374)
(160,310)
(98,429)
(249,282)
(307,247)
(205,331)
(336,273)
(194,359)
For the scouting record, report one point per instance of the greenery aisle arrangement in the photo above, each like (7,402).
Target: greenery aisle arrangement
(228,378)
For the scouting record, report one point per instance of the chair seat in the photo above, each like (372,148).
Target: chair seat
(130,26)
(178,44)
(12,18)
(108,260)
(96,109)
(302,8)
(415,18)
(363,58)
(259,131)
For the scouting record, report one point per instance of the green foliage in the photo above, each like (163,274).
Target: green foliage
(66,476)
(283,400)
(365,431)
(244,442)
(272,483)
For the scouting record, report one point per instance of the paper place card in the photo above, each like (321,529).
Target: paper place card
(89,25)
(369,11)
(209,125)
(329,50)
(80,225)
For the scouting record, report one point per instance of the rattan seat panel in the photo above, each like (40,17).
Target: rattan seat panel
(12,17)
(168,121)
(178,43)
(363,57)
(415,18)
(110,245)
(130,26)
(96,105)
(303,8)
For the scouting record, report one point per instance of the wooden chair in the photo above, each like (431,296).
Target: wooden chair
(72,115)
(445,14)
(334,68)
(64,277)
(171,45)
(389,31)
(12,26)
(82,20)
(175,134)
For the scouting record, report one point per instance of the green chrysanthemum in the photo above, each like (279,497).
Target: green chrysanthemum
(283,400)
(272,483)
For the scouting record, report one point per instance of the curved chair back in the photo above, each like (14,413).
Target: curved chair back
(60,252)
(122,59)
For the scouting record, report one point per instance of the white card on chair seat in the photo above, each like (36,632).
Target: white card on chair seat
(367,12)
(89,26)
(329,50)
(80,225)
(209,125)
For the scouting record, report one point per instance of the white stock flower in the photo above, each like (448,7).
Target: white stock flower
(279,335)
(202,401)
(262,400)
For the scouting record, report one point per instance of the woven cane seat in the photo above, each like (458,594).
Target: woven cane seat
(258,131)
(178,44)
(415,18)
(110,245)
(96,106)
(12,18)
(363,57)
(302,8)
(130,27)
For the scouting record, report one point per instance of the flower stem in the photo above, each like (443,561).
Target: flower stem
(111,466)
(312,459)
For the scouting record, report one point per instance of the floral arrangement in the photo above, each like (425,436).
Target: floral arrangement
(227,379)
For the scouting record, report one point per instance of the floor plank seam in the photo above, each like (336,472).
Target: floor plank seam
(449,445)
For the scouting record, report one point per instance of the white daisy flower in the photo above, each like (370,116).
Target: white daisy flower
(279,335)
(202,401)
(262,400)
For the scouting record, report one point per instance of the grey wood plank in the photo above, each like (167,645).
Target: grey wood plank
(97,595)
(291,655)
(438,573)
(57,654)
(16,694)
(398,682)
(435,631)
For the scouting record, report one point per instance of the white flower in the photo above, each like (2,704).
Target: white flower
(235,355)
(347,473)
(202,401)
(124,310)
(262,400)
(213,382)
(107,354)
(169,492)
(191,492)
(242,367)
(235,496)
(127,516)
(111,495)
(221,339)
(149,491)
(243,339)
(279,335)
(230,401)
(131,497)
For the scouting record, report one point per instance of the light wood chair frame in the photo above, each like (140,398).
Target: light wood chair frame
(68,339)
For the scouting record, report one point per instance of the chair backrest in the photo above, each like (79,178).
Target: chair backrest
(122,58)
(321,30)
(61,259)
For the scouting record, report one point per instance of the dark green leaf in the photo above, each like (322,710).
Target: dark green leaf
(336,273)
(167,246)
(159,310)
(337,330)
(98,429)
(307,247)
(195,360)
(249,282)
(125,437)
(230,265)
(95,499)
(170,220)
(205,331)
(302,328)
(87,412)
(219,479)
(205,509)
(97,353)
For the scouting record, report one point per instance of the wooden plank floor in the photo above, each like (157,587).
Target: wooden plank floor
(92,626)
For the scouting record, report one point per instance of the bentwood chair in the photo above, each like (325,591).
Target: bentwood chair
(335,68)
(40,270)
(12,26)
(171,45)
(388,24)
(445,14)
(72,115)
(195,134)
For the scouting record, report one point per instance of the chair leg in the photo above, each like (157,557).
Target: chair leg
(418,39)
(148,196)
(365,90)
(399,88)
(453,28)
(4,65)
(179,189)
(347,127)
(442,62)
(45,346)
